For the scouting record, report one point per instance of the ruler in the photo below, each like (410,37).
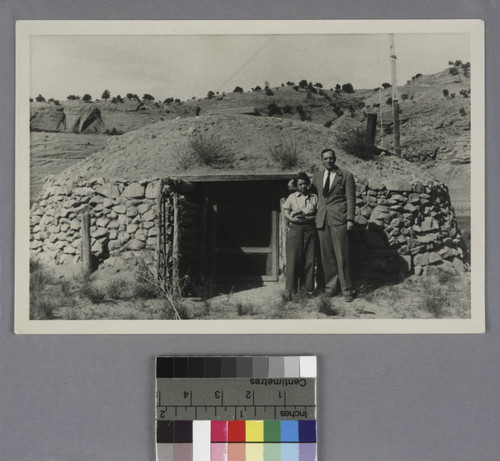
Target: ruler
(216,408)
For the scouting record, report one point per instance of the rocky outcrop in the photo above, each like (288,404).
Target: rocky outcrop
(79,119)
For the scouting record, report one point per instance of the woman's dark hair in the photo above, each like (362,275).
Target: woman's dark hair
(302,175)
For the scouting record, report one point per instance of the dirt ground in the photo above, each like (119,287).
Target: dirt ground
(120,295)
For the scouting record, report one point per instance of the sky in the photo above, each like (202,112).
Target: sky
(186,66)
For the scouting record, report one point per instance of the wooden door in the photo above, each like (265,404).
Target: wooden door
(243,236)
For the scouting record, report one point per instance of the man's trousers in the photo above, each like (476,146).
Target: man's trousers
(334,248)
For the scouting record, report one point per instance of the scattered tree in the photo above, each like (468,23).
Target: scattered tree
(269,92)
(238,89)
(168,101)
(106,95)
(347,88)
(386,85)
(462,112)
(257,88)
(303,83)
(453,71)
(287,109)
(445,93)
(266,84)
(86,97)
(388,101)
(71,97)
(273,109)
(119,99)
(318,85)
(148,97)
(210,94)
(404,96)
(40,98)
(31,99)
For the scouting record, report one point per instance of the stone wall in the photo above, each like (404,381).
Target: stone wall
(123,219)
(400,227)
(406,227)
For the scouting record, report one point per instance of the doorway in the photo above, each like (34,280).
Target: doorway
(243,231)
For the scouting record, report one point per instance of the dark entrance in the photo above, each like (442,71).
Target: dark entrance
(243,231)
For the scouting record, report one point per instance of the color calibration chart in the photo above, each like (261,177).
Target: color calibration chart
(243,408)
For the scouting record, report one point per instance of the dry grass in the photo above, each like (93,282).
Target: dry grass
(354,141)
(285,154)
(209,150)
(438,295)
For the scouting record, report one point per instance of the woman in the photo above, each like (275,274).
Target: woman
(299,210)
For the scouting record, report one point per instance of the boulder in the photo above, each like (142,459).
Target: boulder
(134,190)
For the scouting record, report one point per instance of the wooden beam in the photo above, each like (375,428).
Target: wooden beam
(86,254)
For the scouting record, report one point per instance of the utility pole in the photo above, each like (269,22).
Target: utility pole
(395,103)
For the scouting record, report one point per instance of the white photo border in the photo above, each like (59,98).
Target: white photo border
(26,29)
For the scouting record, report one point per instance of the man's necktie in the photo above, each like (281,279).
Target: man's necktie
(326,187)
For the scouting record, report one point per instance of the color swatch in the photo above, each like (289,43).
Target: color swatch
(236,408)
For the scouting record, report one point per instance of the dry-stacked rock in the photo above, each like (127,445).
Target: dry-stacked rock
(400,227)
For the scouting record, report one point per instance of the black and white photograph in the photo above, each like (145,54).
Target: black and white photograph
(250,177)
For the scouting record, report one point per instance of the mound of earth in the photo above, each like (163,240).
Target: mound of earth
(160,150)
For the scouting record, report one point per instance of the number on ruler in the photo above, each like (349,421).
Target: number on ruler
(217,394)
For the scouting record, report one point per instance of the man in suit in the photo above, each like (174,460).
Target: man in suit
(335,216)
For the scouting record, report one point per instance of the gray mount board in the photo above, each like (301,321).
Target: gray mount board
(383,398)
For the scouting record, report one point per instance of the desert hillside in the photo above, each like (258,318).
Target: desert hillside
(434,114)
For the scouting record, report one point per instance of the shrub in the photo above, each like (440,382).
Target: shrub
(244,309)
(168,101)
(56,102)
(388,101)
(302,113)
(209,150)
(210,94)
(446,93)
(462,112)
(92,293)
(115,288)
(328,124)
(238,89)
(404,96)
(257,88)
(86,97)
(40,98)
(453,70)
(42,307)
(303,83)
(386,85)
(273,109)
(148,97)
(31,99)
(287,109)
(106,95)
(286,154)
(347,88)
(354,141)
(71,97)
(269,92)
